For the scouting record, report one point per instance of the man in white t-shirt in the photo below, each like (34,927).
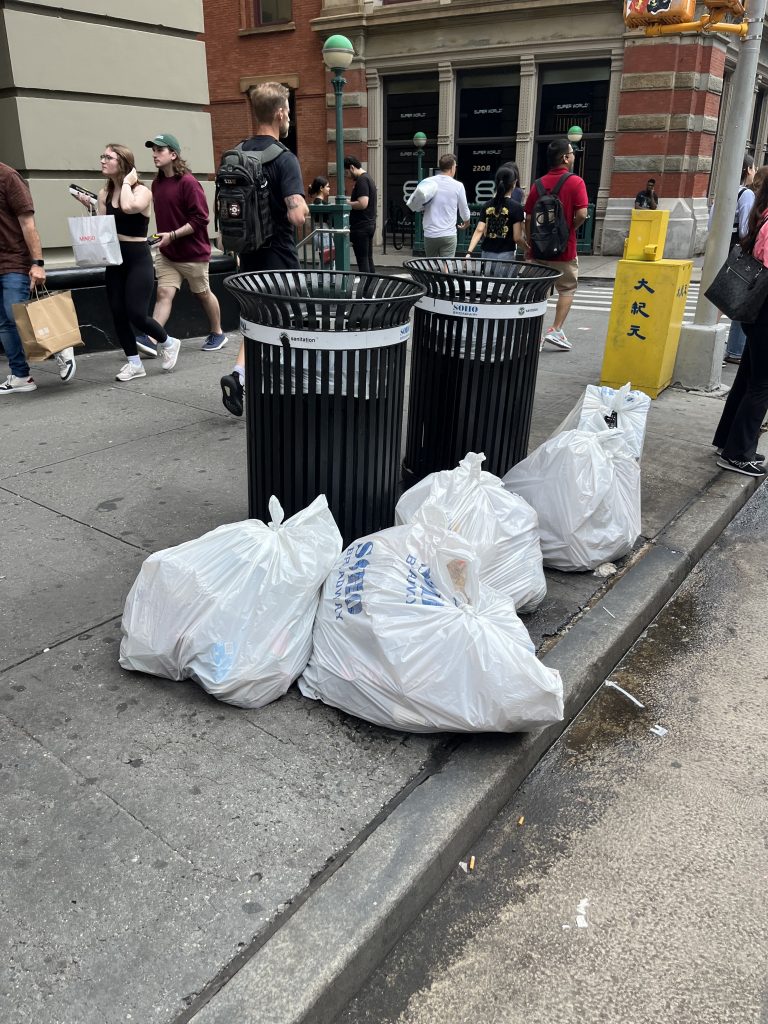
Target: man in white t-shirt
(442,212)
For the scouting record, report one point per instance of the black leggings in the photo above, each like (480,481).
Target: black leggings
(129,292)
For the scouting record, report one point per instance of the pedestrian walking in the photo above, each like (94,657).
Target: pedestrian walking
(738,431)
(287,206)
(323,249)
(129,286)
(501,226)
(570,190)
(362,219)
(442,212)
(184,249)
(648,198)
(22,270)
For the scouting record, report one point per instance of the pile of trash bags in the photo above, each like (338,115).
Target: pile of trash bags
(415,627)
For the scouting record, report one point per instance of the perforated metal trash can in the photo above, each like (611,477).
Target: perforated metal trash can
(324,385)
(475,353)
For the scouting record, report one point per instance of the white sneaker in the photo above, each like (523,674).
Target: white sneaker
(130,371)
(67,364)
(558,339)
(169,353)
(13,384)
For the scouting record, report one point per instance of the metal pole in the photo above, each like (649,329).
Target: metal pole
(699,359)
(734,145)
(339,81)
(341,241)
(418,227)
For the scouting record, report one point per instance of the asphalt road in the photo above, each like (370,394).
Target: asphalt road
(626,882)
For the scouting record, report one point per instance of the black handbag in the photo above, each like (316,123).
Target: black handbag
(740,288)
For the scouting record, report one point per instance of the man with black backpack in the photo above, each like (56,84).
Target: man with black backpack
(555,209)
(262,233)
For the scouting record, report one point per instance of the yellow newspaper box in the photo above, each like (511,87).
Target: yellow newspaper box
(647,234)
(644,328)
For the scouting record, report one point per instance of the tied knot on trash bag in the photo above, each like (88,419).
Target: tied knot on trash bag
(501,526)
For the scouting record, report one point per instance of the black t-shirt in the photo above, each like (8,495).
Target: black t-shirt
(499,233)
(284,177)
(366,218)
(643,199)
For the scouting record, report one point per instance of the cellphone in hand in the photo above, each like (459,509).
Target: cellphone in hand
(83,193)
(153,239)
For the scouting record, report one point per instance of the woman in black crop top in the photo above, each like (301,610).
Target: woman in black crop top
(501,223)
(129,286)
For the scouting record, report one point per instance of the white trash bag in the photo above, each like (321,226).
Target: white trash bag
(500,525)
(407,637)
(621,409)
(585,487)
(233,609)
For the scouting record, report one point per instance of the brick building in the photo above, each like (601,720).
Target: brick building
(491,83)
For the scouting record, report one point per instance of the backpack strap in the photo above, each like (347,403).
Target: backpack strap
(540,190)
(272,152)
(559,185)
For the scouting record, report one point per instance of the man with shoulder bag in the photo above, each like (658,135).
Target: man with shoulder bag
(22,270)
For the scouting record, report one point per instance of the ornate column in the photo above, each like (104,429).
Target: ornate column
(447,108)
(526,119)
(609,141)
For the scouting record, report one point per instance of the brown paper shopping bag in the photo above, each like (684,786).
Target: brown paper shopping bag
(47,323)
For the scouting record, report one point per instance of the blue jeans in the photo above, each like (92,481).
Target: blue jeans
(13,288)
(737,339)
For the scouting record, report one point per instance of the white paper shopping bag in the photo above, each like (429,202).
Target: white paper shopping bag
(94,241)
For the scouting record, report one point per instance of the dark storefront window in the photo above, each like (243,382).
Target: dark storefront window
(488,105)
(574,96)
(411,105)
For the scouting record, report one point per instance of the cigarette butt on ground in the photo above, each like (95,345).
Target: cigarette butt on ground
(471,864)
(521,820)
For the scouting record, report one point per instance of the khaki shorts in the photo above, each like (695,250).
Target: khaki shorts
(170,274)
(568,268)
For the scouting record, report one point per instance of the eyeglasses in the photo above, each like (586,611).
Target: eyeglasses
(107,156)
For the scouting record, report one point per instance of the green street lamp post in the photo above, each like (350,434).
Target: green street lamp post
(419,141)
(338,54)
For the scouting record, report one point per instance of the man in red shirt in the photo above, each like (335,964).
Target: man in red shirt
(573,196)
(184,249)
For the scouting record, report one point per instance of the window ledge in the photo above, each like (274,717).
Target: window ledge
(260,30)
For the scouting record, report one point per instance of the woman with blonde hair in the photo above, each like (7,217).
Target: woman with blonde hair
(129,286)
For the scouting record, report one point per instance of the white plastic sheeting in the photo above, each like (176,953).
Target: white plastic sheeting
(406,636)
(501,526)
(233,609)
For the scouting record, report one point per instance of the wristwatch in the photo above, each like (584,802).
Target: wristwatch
(38,263)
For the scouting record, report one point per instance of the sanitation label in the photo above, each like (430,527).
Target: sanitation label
(333,340)
(483,311)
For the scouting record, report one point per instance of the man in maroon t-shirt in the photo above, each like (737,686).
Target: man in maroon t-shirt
(573,196)
(184,249)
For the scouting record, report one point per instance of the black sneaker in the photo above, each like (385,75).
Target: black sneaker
(232,393)
(747,468)
(758,458)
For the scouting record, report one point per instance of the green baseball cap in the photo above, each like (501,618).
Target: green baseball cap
(166,140)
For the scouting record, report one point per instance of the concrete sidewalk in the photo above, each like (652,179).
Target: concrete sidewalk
(168,858)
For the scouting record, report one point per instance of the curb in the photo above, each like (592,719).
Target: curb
(312,966)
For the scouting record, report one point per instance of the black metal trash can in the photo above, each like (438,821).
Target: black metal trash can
(324,385)
(475,353)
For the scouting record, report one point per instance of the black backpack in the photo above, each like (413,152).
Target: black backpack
(549,229)
(242,198)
